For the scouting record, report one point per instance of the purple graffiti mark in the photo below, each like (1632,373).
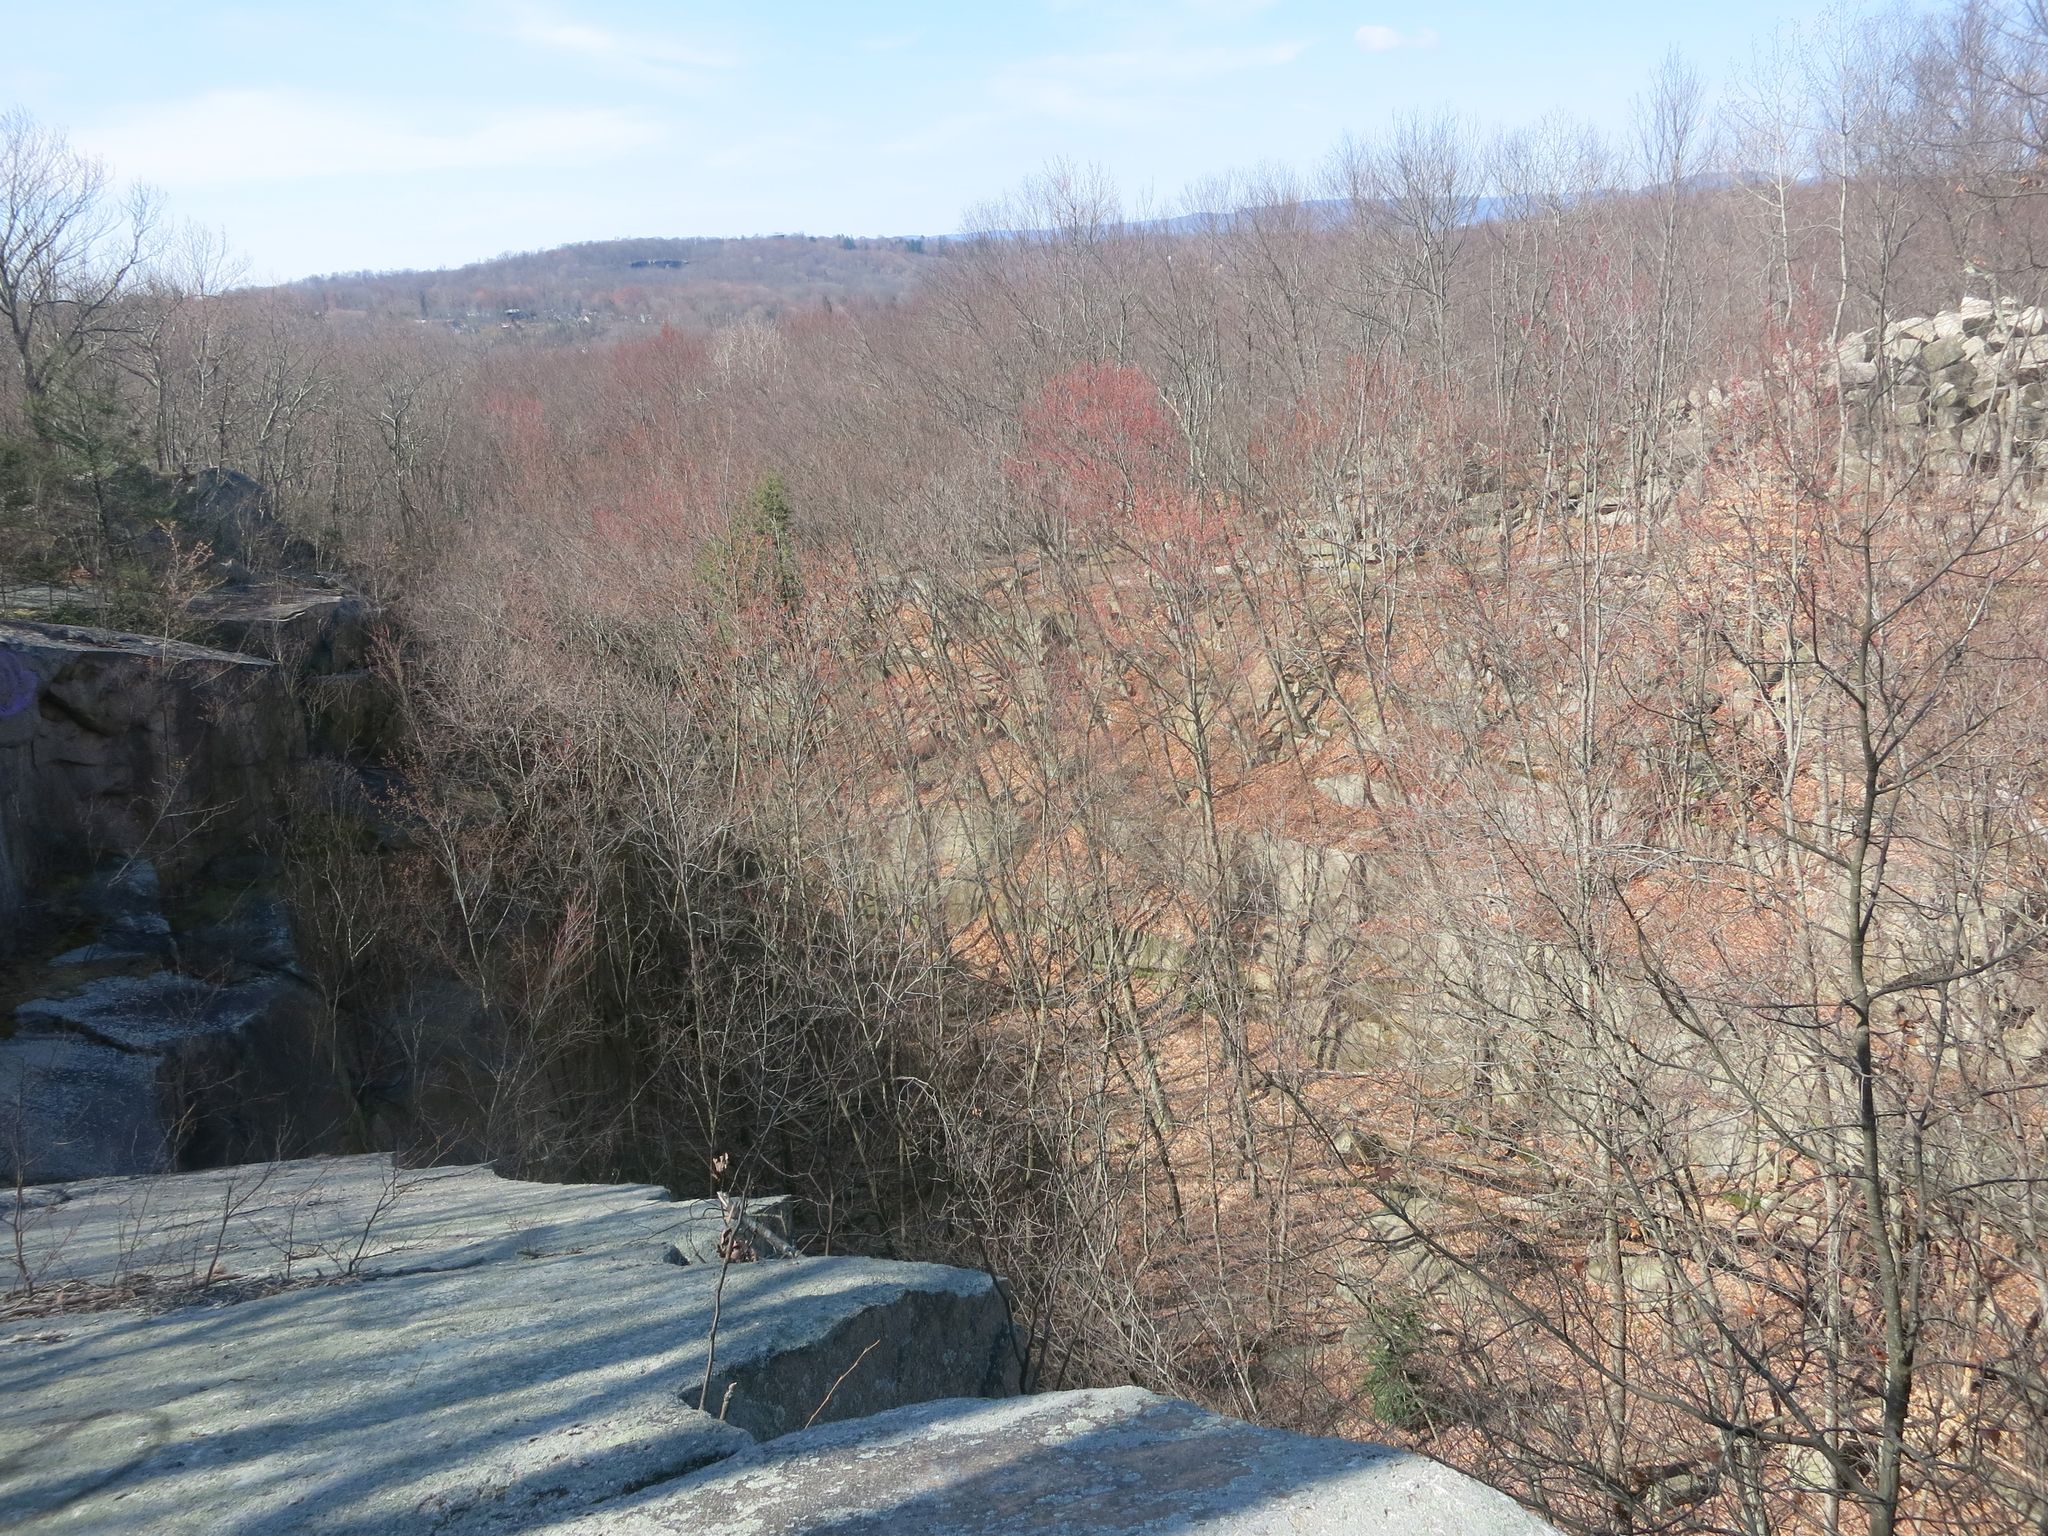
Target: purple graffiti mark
(17,685)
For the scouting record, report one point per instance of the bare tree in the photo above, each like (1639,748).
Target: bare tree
(69,250)
(1411,198)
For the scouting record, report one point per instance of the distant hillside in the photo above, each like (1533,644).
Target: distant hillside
(606,283)
(600,285)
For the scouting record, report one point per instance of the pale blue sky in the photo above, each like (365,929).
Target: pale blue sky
(327,137)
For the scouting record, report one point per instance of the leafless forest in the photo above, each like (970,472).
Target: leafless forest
(1420,804)
(582,291)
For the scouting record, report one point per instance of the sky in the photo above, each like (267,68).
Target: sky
(326,137)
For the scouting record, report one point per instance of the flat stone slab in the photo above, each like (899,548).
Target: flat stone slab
(52,645)
(1120,1460)
(388,1351)
(318,631)
(269,605)
(325,1216)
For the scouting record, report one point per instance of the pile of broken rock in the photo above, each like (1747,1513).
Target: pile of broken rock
(1964,388)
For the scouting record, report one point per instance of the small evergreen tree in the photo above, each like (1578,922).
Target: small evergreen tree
(755,563)
(769,516)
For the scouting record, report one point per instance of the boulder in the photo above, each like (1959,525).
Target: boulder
(131,1074)
(1944,353)
(760,1227)
(254,932)
(314,632)
(950,850)
(1393,1260)
(1306,880)
(339,1345)
(127,902)
(1350,790)
(231,514)
(1116,1460)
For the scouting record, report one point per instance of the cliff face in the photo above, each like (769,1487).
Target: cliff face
(111,744)
(344,1346)
(177,744)
(152,1011)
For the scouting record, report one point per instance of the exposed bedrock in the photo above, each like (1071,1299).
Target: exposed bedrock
(384,1351)
(342,1346)
(1114,1461)
(152,1014)
(111,744)
(151,1046)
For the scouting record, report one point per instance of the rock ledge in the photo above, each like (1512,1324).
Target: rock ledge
(341,1346)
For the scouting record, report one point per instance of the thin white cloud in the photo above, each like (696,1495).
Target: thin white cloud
(1114,90)
(278,135)
(661,60)
(1170,64)
(1115,87)
(1375,38)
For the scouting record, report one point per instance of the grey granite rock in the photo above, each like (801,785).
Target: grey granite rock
(1949,392)
(128,898)
(111,951)
(254,934)
(318,1216)
(1120,1460)
(1351,790)
(154,1013)
(383,1351)
(314,632)
(763,1227)
(233,516)
(110,743)
(70,1107)
(206,1067)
